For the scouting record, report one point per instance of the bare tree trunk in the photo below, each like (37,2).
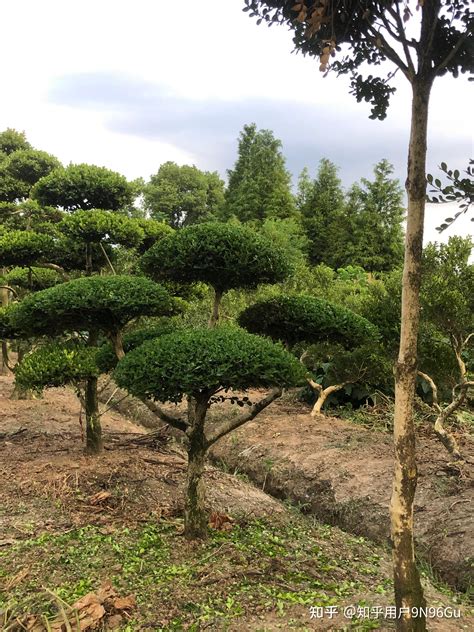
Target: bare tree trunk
(117,343)
(18,391)
(408,589)
(4,300)
(88,259)
(93,428)
(195,518)
(215,308)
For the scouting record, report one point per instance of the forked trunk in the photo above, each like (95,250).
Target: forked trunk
(93,428)
(408,590)
(323,394)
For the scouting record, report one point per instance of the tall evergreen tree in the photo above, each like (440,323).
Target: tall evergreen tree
(377,232)
(323,203)
(259,183)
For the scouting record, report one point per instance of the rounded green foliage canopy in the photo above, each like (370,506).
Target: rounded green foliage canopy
(24,248)
(54,365)
(199,361)
(92,303)
(83,187)
(96,226)
(33,279)
(305,318)
(225,256)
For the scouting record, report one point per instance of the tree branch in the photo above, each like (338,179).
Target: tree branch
(179,424)
(452,52)
(389,52)
(53,266)
(10,289)
(243,419)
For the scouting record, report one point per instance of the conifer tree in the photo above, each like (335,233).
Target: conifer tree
(259,183)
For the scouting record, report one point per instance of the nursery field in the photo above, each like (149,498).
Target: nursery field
(106,535)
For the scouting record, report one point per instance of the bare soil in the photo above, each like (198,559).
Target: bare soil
(71,523)
(341,473)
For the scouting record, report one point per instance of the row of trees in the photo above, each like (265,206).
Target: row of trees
(361,227)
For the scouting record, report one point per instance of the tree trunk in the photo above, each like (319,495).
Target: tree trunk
(88,259)
(215,308)
(117,343)
(195,517)
(408,590)
(4,300)
(19,392)
(93,428)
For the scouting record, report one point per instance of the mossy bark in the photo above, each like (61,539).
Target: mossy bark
(408,590)
(94,443)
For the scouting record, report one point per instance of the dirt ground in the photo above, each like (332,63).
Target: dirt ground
(69,523)
(341,473)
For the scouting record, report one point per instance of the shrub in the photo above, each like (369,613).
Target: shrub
(92,304)
(193,362)
(95,226)
(24,248)
(32,278)
(306,318)
(56,365)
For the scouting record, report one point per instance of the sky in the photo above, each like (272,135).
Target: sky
(130,85)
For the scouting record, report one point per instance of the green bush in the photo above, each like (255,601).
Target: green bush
(299,318)
(106,357)
(24,248)
(191,362)
(154,231)
(223,255)
(33,279)
(55,365)
(93,304)
(95,226)
(83,187)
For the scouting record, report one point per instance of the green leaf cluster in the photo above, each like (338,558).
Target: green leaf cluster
(56,365)
(192,362)
(95,303)
(95,226)
(33,279)
(24,248)
(299,318)
(225,256)
(83,187)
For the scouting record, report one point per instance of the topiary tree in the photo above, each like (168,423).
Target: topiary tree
(21,170)
(306,319)
(99,228)
(199,364)
(83,187)
(87,307)
(225,256)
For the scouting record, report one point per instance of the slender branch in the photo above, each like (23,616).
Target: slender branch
(179,424)
(466,341)
(389,52)
(243,419)
(107,258)
(398,19)
(434,389)
(53,266)
(452,52)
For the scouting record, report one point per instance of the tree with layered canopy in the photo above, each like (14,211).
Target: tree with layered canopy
(199,364)
(86,307)
(423,40)
(224,256)
(301,321)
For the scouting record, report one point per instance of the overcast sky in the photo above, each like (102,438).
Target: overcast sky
(129,85)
